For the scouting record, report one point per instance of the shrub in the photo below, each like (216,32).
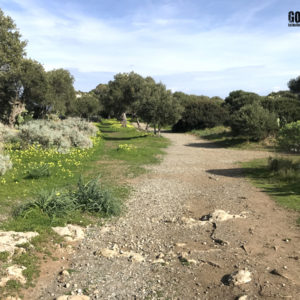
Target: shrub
(289,137)
(284,169)
(40,171)
(88,197)
(61,135)
(5,164)
(52,203)
(92,197)
(254,122)
(201,114)
(7,134)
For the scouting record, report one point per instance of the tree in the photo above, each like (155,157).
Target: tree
(61,92)
(237,99)
(123,92)
(294,85)
(158,106)
(284,104)
(86,105)
(12,51)
(101,92)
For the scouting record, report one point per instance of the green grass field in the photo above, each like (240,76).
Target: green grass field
(282,186)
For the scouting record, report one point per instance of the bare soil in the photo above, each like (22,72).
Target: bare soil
(180,257)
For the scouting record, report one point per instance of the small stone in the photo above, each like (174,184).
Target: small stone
(240,277)
(73,297)
(244,297)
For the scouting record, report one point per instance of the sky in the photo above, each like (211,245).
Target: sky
(195,46)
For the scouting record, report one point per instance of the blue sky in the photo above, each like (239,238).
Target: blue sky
(195,46)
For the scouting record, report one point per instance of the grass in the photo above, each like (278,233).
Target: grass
(118,154)
(282,185)
(4,256)
(222,137)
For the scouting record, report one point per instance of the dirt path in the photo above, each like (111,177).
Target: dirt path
(160,249)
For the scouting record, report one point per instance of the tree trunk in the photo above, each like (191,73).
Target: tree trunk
(138,123)
(17,107)
(124,120)
(159,127)
(154,128)
(147,127)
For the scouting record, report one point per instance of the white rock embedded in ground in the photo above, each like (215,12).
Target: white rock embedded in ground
(9,240)
(240,277)
(221,216)
(12,298)
(105,252)
(218,215)
(13,273)
(192,222)
(71,233)
(244,297)
(73,297)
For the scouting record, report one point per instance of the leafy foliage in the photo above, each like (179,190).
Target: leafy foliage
(92,197)
(52,203)
(62,135)
(294,85)
(200,114)
(253,122)
(284,104)
(237,99)
(37,172)
(289,137)
(61,93)
(88,197)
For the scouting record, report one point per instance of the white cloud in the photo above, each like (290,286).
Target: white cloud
(158,43)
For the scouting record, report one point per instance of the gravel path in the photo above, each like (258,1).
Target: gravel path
(171,245)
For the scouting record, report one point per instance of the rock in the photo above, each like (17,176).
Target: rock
(71,233)
(134,256)
(73,297)
(240,277)
(221,216)
(244,297)
(107,253)
(9,240)
(158,261)
(63,276)
(12,298)
(192,222)
(13,273)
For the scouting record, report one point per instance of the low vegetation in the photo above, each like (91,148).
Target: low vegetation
(279,177)
(81,186)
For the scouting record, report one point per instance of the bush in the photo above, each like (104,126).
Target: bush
(92,197)
(5,164)
(254,122)
(289,137)
(201,114)
(53,203)
(284,169)
(61,135)
(38,172)
(88,197)
(7,134)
